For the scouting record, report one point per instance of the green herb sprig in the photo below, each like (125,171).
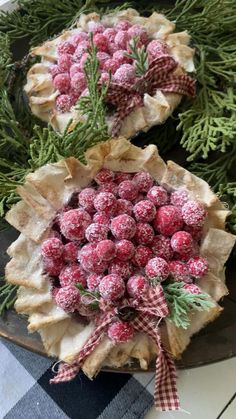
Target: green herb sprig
(7,297)
(182,303)
(139,54)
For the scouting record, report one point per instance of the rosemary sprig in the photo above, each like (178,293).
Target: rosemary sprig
(139,54)
(181,303)
(93,295)
(7,297)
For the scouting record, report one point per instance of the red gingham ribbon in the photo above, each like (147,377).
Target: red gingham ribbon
(125,97)
(152,308)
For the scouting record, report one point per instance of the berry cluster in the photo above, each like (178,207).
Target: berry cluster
(119,236)
(112,46)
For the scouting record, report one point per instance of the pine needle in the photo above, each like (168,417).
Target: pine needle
(140,55)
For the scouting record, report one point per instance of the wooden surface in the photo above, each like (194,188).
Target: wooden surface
(214,343)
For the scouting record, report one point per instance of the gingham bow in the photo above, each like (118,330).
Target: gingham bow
(149,312)
(125,97)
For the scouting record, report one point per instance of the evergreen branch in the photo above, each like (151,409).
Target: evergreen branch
(182,303)
(5,57)
(227,193)
(139,54)
(7,297)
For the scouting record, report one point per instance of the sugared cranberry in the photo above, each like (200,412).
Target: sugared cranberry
(198,266)
(63,103)
(138,31)
(128,190)
(100,41)
(96,232)
(194,213)
(93,281)
(158,196)
(112,287)
(144,211)
(68,298)
(121,39)
(156,49)
(192,288)
(62,82)
(161,247)
(124,250)
(52,248)
(112,47)
(73,224)
(157,268)
(90,261)
(123,25)
(95,27)
(123,227)
(179,197)
(182,242)
(66,47)
(80,50)
(86,198)
(141,256)
(137,286)
(111,65)
(110,34)
(83,62)
(54,70)
(121,57)
(101,218)
(104,176)
(78,82)
(121,176)
(70,252)
(102,58)
(123,207)
(120,332)
(168,220)
(106,250)
(144,234)
(143,180)
(108,187)
(65,62)
(196,232)
(121,268)
(125,74)
(106,202)
(79,37)
(53,266)
(179,271)
(72,274)
(105,77)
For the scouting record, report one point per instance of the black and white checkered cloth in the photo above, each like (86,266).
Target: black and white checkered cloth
(25,392)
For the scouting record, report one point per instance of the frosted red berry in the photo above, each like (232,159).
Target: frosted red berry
(156,49)
(73,224)
(102,58)
(157,268)
(192,288)
(63,103)
(66,47)
(86,198)
(95,27)
(121,57)
(161,247)
(61,82)
(120,332)
(96,232)
(168,220)
(106,202)
(65,62)
(54,70)
(108,187)
(80,50)
(100,41)
(158,196)
(52,248)
(101,218)
(137,286)
(93,281)
(198,266)
(194,213)
(106,250)
(196,232)
(104,176)
(125,74)
(123,227)
(182,242)
(179,197)
(124,207)
(121,176)
(112,287)
(123,25)
(90,261)
(121,39)
(68,298)
(144,211)
(111,65)
(72,274)
(179,271)
(112,47)
(144,234)
(143,180)
(124,249)
(141,256)
(138,31)
(121,268)
(78,82)
(70,252)
(79,37)
(53,266)
(110,34)
(105,77)
(128,190)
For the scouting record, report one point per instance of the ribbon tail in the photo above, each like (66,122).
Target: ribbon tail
(66,372)
(124,109)
(183,85)
(165,393)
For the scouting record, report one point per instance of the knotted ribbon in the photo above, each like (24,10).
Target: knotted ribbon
(160,75)
(150,311)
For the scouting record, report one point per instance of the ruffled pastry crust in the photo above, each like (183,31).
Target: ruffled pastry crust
(42,95)
(46,191)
